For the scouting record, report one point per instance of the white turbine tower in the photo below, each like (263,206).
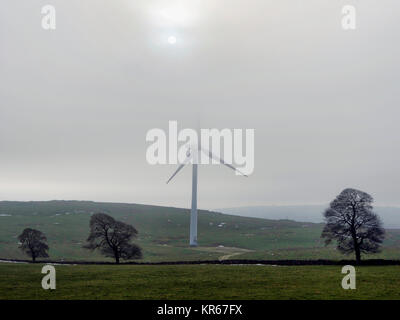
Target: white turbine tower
(193,155)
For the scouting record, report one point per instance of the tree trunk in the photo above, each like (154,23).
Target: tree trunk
(116,257)
(355,241)
(358,254)
(33,258)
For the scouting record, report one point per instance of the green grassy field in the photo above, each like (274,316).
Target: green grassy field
(23,281)
(163,233)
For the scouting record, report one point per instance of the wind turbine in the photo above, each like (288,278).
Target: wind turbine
(192,154)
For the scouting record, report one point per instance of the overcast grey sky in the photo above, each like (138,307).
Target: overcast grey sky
(76,103)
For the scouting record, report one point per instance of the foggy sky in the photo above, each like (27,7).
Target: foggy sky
(76,103)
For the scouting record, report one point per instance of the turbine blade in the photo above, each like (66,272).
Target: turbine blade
(189,156)
(176,172)
(222,161)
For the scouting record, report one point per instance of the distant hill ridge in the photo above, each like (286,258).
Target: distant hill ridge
(308,213)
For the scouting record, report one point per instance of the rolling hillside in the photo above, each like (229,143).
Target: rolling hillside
(163,233)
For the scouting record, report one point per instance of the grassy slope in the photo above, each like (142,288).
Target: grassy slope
(198,282)
(163,232)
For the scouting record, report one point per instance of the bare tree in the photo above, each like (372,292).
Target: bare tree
(33,243)
(352,223)
(112,238)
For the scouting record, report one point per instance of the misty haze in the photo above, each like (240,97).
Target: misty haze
(106,108)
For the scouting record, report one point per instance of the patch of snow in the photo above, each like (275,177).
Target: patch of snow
(10,261)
